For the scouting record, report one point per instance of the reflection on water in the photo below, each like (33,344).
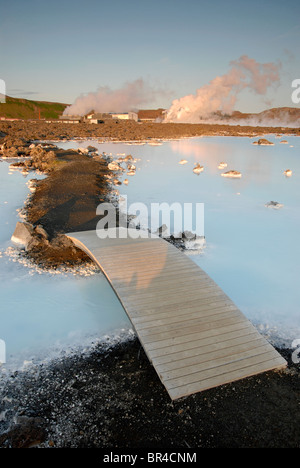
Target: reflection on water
(251,251)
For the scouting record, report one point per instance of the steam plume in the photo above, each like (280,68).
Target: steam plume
(222,92)
(129,97)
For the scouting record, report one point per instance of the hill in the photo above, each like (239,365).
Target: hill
(26,109)
(15,108)
(278,116)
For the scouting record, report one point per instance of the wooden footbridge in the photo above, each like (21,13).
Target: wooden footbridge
(193,334)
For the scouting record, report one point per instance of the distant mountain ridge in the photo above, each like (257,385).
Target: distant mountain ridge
(277,116)
(16,108)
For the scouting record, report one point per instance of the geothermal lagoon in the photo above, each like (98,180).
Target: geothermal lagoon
(251,245)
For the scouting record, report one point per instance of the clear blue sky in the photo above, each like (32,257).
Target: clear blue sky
(56,50)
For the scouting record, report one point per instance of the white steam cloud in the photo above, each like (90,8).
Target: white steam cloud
(131,96)
(221,93)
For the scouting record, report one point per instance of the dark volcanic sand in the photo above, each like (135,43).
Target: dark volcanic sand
(112,397)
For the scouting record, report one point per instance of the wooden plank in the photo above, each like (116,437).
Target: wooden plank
(161,281)
(197,335)
(183,276)
(181,316)
(209,360)
(222,379)
(135,253)
(150,311)
(233,340)
(191,331)
(209,296)
(162,353)
(149,269)
(142,266)
(204,372)
(144,296)
(213,320)
(171,283)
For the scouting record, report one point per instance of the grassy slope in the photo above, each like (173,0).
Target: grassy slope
(26,109)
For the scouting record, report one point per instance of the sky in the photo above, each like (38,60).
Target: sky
(58,50)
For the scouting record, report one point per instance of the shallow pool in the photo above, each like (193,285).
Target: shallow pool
(45,313)
(251,251)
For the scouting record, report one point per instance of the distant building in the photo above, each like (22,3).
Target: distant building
(151,115)
(96,117)
(99,117)
(125,116)
(8,119)
(95,121)
(70,118)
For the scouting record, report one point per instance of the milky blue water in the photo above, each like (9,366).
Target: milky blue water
(251,251)
(45,313)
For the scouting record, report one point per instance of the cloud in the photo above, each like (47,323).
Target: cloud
(21,92)
(222,92)
(260,75)
(131,96)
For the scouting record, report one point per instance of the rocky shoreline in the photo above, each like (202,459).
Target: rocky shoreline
(64,201)
(67,199)
(110,396)
(118,130)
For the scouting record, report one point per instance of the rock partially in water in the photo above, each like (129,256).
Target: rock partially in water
(263,142)
(274,205)
(191,241)
(185,240)
(162,231)
(232,174)
(23,235)
(50,253)
(83,150)
(32,185)
(92,149)
(114,166)
(15,147)
(197,169)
